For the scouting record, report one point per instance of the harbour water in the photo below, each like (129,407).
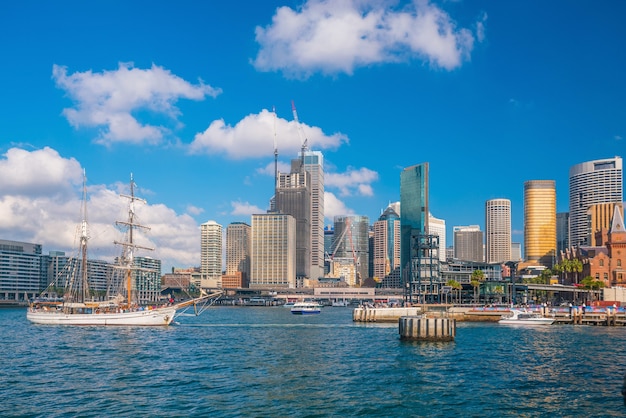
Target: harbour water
(266,362)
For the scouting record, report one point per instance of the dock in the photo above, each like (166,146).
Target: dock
(576,315)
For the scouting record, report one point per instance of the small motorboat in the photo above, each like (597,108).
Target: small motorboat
(524,317)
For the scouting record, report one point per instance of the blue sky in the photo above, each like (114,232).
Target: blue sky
(181,94)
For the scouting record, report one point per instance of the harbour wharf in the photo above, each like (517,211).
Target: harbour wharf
(577,315)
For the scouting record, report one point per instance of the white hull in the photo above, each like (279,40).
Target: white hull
(541,321)
(519,317)
(154,317)
(305,308)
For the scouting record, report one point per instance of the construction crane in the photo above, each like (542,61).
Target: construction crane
(303,138)
(275,150)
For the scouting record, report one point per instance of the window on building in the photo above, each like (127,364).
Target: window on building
(597,276)
(601,263)
(619,263)
(606,276)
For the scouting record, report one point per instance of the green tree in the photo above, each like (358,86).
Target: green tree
(456,287)
(577,267)
(558,269)
(590,283)
(477,278)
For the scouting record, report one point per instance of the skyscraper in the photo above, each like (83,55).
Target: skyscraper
(273,250)
(293,197)
(351,245)
(498,230)
(414,211)
(540,222)
(562,231)
(211,254)
(386,248)
(468,243)
(314,165)
(591,182)
(600,218)
(238,248)
(438,227)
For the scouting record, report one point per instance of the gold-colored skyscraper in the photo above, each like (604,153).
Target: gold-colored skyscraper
(540,222)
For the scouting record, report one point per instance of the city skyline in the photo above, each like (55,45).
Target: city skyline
(184,100)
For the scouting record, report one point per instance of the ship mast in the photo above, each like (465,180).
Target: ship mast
(84,236)
(129,245)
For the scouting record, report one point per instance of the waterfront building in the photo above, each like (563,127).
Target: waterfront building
(273,250)
(386,249)
(604,261)
(540,222)
(600,216)
(293,197)
(20,270)
(420,260)
(180,279)
(413,214)
(562,231)
(438,227)
(351,245)
(468,243)
(147,279)
(498,230)
(314,165)
(238,250)
(592,182)
(211,254)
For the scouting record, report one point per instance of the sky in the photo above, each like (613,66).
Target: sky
(192,98)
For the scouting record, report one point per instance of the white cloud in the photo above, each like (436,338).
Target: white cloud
(245,209)
(109,100)
(352,181)
(337,36)
(40,202)
(269,168)
(334,207)
(480,28)
(38,173)
(194,210)
(253,136)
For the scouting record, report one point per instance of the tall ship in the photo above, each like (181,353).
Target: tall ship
(79,305)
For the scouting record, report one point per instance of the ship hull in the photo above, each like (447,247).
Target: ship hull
(154,317)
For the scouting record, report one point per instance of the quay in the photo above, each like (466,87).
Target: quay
(576,315)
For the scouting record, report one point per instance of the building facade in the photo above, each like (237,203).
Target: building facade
(273,250)
(606,260)
(147,279)
(468,243)
(211,254)
(497,231)
(562,231)
(238,235)
(351,246)
(20,270)
(540,222)
(314,165)
(293,197)
(413,213)
(592,182)
(438,227)
(386,249)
